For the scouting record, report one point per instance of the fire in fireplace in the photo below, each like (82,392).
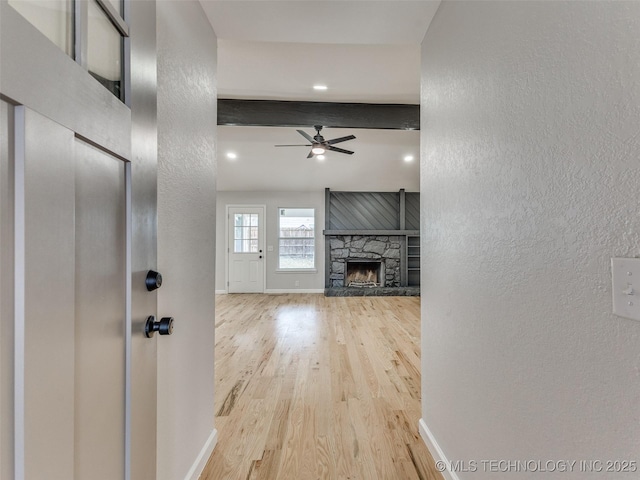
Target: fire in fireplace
(363,274)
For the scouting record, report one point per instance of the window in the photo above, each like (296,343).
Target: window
(296,238)
(245,233)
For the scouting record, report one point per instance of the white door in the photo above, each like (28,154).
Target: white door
(245,226)
(77,225)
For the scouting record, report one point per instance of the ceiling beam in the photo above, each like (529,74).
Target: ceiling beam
(275,113)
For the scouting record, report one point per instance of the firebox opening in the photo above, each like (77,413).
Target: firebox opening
(363,274)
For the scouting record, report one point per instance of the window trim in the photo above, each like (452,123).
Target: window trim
(313,269)
(114,17)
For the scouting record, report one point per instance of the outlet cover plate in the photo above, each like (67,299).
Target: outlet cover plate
(625,275)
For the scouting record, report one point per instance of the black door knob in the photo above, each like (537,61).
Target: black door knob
(153,280)
(163,327)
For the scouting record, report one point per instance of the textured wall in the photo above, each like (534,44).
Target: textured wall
(273,201)
(186,233)
(530,174)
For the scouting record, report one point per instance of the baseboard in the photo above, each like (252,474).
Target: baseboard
(221,292)
(436,452)
(203,457)
(276,291)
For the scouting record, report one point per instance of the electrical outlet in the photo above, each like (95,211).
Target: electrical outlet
(625,277)
(269,248)
(296,283)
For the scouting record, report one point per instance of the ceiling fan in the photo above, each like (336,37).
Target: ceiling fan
(319,145)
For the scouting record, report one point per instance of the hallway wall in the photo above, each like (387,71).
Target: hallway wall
(186,237)
(530,174)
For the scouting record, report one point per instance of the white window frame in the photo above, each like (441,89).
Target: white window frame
(313,269)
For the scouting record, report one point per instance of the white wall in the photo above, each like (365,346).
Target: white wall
(186,237)
(530,175)
(275,281)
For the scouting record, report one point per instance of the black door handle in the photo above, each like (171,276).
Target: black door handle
(260,256)
(163,327)
(153,280)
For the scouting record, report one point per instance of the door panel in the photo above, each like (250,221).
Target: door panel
(100,314)
(75,305)
(246,249)
(49,270)
(254,271)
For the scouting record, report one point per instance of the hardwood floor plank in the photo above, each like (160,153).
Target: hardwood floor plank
(311,387)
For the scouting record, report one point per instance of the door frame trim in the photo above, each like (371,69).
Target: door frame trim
(128,337)
(228,207)
(19,269)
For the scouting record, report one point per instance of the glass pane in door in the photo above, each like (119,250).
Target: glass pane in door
(52,17)
(245,236)
(104,50)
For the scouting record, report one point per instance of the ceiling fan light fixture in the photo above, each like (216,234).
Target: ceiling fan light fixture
(319,145)
(318,150)
(320,157)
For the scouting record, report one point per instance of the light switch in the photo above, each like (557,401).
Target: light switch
(269,248)
(625,273)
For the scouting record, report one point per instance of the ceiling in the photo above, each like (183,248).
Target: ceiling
(363,50)
(377,164)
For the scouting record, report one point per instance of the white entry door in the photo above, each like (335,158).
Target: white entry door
(245,226)
(77,231)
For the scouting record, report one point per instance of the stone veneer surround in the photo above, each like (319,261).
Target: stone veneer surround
(385,248)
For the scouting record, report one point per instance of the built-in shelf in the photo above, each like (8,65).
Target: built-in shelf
(413,260)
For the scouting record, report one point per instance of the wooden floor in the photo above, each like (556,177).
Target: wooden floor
(309,387)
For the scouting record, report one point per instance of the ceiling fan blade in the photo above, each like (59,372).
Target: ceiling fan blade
(299,145)
(306,135)
(341,139)
(339,150)
(311,154)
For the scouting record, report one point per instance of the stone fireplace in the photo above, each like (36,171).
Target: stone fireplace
(376,256)
(372,244)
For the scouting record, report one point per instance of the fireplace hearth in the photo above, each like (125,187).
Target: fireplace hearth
(364,274)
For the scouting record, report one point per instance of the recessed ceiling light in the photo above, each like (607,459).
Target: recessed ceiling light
(232,155)
(408,158)
(320,157)
(319,87)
